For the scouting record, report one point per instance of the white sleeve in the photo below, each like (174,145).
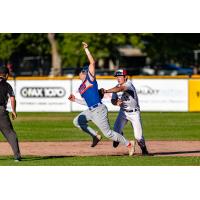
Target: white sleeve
(128,85)
(81,101)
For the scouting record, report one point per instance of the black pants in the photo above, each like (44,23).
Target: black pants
(7,129)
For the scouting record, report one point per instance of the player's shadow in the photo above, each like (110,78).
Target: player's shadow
(44,158)
(175,152)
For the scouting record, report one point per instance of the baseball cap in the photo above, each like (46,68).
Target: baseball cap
(84,69)
(120,72)
(4,70)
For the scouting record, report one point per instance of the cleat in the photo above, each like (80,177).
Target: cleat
(115,144)
(18,159)
(131,148)
(143,147)
(96,140)
(145,152)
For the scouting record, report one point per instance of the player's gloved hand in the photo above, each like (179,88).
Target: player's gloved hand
(101,93)
(119,102)
(71,97)
(116,102)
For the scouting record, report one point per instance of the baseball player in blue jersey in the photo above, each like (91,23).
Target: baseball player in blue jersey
(96,112)
(125,96)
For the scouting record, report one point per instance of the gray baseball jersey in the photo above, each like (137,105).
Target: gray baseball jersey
(129,97)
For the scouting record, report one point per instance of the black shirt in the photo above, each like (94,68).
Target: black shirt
(5,92)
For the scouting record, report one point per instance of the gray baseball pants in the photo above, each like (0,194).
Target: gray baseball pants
(7,129)
(99,116)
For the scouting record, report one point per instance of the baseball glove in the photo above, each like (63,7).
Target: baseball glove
(101,93)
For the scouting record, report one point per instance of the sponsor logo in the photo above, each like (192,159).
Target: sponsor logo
(42,92)
(146,90)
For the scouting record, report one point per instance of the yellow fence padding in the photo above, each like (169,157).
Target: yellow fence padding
(194,95)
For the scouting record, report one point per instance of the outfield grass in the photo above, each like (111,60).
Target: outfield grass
(59,126)
(102,161)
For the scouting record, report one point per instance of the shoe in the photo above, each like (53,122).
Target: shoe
(18,159)
(145,151)
(115,144)
(131,148)
(96,140)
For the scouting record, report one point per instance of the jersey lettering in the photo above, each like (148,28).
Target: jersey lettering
(85,86)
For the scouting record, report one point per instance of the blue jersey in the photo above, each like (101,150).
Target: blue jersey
(89,91)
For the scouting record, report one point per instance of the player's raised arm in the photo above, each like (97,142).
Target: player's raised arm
(90,58)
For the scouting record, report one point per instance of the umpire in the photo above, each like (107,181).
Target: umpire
(6,127)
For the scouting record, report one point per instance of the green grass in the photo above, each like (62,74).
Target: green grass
(59,126)
(102,161)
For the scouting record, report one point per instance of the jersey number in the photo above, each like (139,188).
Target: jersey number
(125,98)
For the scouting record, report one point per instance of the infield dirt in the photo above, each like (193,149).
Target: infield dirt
(82,148)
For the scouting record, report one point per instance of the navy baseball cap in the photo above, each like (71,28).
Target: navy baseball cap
(120,72)
(85,69)
(4,70)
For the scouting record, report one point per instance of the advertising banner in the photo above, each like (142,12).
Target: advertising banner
(162,95)
(154,95)
(43,95)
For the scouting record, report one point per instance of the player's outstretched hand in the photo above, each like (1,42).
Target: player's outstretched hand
(85,45)
(14,115)
(71,97)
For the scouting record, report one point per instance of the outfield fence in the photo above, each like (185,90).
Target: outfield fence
(159,94)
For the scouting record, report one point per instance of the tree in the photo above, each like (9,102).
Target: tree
(171,48)
(56,60)
(15,46)
(161,48)
(7,47)
(102,45)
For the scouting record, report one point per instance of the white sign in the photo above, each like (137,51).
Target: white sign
(153,94)
(43,95)
(52,95)
(162,95)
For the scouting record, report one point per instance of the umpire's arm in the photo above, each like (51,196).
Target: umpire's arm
(13,105)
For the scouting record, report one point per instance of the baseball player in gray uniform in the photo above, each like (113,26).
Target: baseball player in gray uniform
(125,96)
(96,112)
(6,127)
